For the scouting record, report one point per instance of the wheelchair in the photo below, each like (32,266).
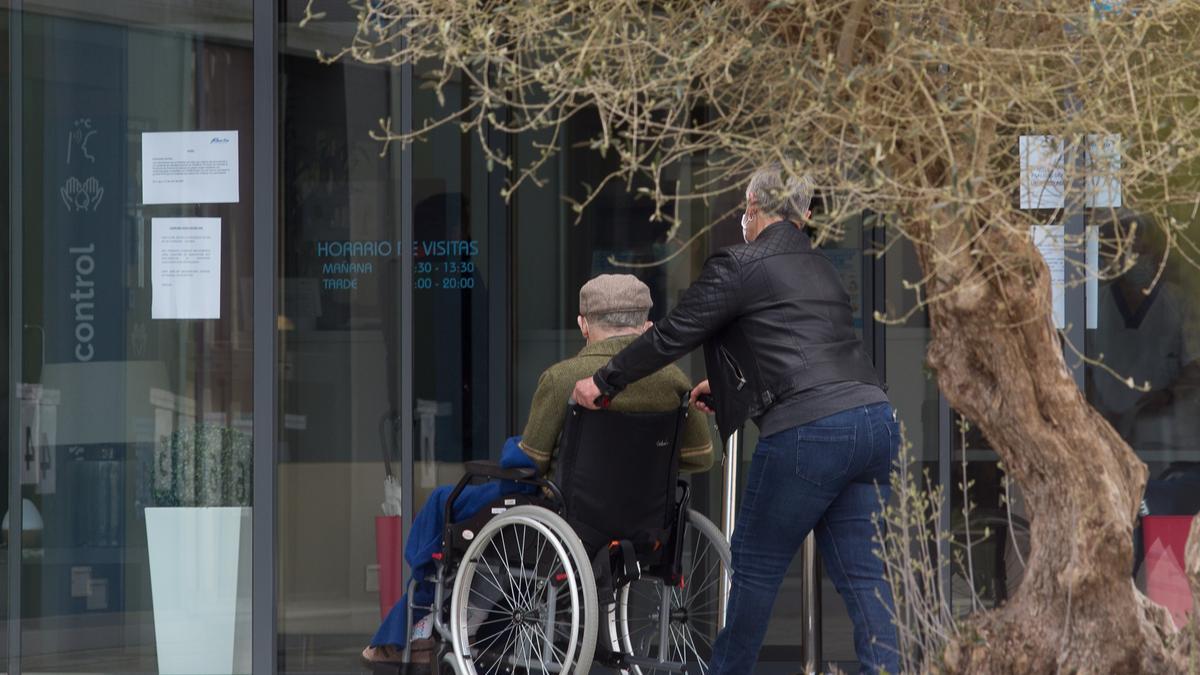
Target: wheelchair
(605,564)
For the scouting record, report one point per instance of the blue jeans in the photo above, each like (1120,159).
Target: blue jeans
(831,476)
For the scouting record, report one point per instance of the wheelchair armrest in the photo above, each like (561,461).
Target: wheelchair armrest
(494,470)
(484,469)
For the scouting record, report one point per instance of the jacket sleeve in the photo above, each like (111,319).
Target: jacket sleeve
(711,302)
(547,414)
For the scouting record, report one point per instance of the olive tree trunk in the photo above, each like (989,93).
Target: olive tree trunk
(999,362)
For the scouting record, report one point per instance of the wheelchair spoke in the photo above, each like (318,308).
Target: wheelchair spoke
(706,608)
(710,576)
(531,577)
(525,646)
(526,602)
(514,595)
(506,565)
(535,648)
(711,583)
(521,590)
(488,600)
(508,644)
(559,654)
(495,582)
(691,608)
(676,653)
(541,661)
(687,638)
(536,639)
(534,579)
(482,651)
(542,547)
(493,622)
(505,654)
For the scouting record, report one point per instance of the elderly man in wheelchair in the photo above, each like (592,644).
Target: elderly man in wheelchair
(592,554)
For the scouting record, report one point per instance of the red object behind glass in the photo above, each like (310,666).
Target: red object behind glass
(1164,540)
(389,554)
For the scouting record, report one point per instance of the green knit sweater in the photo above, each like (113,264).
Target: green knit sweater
(658,392)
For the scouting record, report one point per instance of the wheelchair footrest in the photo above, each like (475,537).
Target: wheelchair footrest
(654,664)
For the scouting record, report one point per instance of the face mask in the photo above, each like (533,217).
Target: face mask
(745,222)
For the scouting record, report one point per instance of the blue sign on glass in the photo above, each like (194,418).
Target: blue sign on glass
(84,159)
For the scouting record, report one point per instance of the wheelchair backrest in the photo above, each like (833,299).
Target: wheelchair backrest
(618,471)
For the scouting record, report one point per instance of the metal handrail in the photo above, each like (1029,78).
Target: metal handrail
(729,467)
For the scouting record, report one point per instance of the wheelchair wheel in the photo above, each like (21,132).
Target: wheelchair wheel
(690,621)
(524,598)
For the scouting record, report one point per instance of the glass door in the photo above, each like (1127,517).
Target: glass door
(129,243)
(340,473)
(394,359)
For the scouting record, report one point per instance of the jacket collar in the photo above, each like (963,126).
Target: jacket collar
(786,230)
(608,347)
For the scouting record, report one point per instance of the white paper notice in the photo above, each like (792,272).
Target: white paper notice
(186,268)
(1043,172)
(190,167)
(1104,168)
(1049,240)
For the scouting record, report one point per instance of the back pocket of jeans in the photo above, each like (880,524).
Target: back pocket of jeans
(824,454)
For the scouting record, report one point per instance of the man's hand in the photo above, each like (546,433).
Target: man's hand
(702,389)
(586,392)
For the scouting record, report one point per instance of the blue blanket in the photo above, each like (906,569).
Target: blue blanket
(425,538)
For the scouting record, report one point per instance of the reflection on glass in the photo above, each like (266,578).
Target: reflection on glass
(340,389)
(911,385)
(1149,332)
(451,300)
(134,426)
(1148,329)
(30,516)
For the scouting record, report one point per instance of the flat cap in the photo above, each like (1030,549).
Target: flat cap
(609,293)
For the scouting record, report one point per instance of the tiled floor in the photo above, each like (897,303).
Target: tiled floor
(48,651)
(329,663)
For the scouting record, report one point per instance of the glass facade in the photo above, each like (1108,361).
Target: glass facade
(339,368)
(134,430)
(156,431)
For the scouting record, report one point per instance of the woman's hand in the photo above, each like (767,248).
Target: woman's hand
(704,390)
(587,394)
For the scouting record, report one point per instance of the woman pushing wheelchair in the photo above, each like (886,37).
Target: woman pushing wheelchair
(780,349)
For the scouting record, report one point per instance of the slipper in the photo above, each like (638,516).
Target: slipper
(420,650)
(383,654)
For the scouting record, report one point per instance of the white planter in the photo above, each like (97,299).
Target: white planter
(200,585)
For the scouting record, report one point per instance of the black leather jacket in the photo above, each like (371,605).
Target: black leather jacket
(774,320)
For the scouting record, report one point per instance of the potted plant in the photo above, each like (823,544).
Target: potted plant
(198,536)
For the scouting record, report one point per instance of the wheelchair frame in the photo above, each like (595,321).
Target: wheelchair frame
(613,616)
(547,517)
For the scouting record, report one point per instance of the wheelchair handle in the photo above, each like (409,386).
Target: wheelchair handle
(601,401)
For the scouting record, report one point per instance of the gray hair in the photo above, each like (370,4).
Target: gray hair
(781,194)
(628,319)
